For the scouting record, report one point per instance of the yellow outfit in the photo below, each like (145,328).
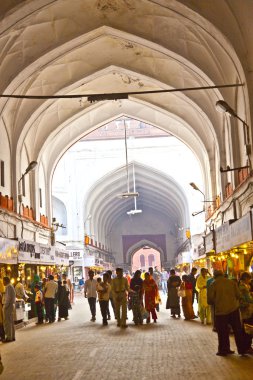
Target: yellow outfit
(203,307)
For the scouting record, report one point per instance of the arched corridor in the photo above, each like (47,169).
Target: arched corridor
(125,141)
(78,349)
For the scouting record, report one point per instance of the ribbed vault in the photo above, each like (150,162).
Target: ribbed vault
(96,46)
(158,194)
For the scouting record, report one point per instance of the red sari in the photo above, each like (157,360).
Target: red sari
(150,294)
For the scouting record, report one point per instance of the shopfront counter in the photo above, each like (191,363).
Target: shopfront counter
(19,310)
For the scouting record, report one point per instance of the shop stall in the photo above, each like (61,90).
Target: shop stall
(35,262)
(183,263)
(9,259)
(61,260)
(230,247)
(77,269)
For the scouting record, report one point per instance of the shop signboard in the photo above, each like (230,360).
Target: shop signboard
(47,255)
(209,242)
(228,235)
(61,257)
(241,230)
(28,252)
(222,238)
(89,261)
(8,251)
(35,253)
(76,254)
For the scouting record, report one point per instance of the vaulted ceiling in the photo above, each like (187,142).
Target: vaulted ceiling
(157,192)
(103,46)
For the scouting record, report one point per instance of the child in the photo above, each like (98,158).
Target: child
(136,303)
(39,304)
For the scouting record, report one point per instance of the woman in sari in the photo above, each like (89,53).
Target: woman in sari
(187,300)
(203,307)
(173,284)
(150,290)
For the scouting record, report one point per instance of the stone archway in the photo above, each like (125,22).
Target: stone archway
(146,257)
(143,244)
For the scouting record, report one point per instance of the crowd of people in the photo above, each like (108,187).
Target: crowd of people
(46,296)
(226,304)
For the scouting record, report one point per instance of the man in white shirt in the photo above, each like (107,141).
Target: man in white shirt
(49,297)
(90,292)
(9,300)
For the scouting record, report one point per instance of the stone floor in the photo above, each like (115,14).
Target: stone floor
(79,349)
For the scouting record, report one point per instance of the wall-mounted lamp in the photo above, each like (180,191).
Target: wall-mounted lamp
(195,187)
(29,168)
(197,212)
(54,227)
(223,107)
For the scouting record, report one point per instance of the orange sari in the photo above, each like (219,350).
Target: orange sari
(150,293)
(187,301)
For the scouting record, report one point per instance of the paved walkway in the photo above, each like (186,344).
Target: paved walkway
(78,349)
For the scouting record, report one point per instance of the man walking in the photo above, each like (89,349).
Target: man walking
(8,310)
(192,280)
(120,288)
(49,298)
(224,295)
(164,280)
(103,289)
(90,292)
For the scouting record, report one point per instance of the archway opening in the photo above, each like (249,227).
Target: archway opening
(144,258)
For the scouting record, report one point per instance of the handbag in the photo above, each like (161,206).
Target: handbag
(144,313)
(181,293)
